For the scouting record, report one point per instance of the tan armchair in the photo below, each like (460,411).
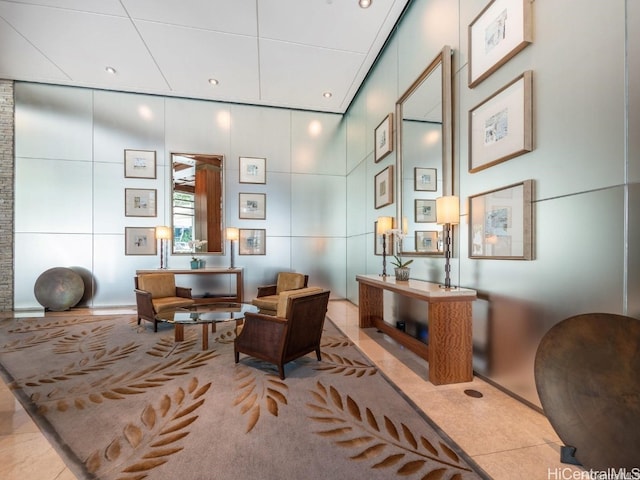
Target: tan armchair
(156,292)
(267,298)
(294,331)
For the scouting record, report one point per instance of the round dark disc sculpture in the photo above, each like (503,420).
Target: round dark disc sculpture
(59,289)
(587,373)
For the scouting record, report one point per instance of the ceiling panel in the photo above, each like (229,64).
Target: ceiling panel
(230,16)
(263,52)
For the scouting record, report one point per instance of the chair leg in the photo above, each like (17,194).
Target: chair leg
(281,371)
(155,325)
(237,355)
(139,320)
(318,354)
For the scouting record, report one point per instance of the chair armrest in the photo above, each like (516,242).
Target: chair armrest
(144,304)
(265,290)
(183,292)
(262,333)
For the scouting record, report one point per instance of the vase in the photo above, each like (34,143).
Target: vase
(402,274)
(201,263)
(195,264)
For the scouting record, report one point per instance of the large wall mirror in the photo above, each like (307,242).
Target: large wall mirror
(424,155)
(197,203)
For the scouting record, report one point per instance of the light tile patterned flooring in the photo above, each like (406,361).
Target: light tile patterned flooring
(506,438)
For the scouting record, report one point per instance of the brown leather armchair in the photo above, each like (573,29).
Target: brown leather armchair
(294,331)
(267,298)
(156,292)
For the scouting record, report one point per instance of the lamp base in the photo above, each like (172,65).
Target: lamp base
(450,287)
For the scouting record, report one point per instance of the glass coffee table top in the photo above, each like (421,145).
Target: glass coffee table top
(205,314)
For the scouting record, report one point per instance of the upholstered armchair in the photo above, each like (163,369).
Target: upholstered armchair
(294,331)
(267,298)
(156,292)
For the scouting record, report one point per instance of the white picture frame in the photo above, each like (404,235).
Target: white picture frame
(501,30)
(253,170)
(501,127)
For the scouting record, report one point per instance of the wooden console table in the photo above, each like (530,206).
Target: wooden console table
(238,298)
(450,348)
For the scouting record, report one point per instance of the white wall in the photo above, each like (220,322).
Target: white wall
(585,168)
(70,185)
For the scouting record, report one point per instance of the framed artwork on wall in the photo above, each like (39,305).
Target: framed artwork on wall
(427,241)
(501,127)
(140,164)
(140,202)
(140,241)
(384,187)
(501,223)
(253,206)
(383,138)
(501,30)
(377,250)
(252,241)
(425,211)
(425,179)
(253,170)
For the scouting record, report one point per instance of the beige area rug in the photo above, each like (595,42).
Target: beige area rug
(119,401)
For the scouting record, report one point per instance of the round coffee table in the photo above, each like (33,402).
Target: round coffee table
(205,314)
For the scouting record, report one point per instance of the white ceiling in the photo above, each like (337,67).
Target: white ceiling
(263,52)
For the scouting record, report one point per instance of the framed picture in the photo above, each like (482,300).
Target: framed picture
(425,179)
(501,223)
(140,164)
(253,170)
(384,187)
(377,250)
(383,138)
(498,33)
(425,211)
(501,127)
(252,242)
(253,206)
(140,241)
(140,202)
(428,240)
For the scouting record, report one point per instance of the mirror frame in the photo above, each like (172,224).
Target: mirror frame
(195,156)
(443,59)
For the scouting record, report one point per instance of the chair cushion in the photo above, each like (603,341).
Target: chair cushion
(269,302)
(167,303)
(289,281)
(158,284)
(284,297)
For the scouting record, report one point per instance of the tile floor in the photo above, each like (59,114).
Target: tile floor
(506,438)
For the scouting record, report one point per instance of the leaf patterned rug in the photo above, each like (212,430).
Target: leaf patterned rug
(119,401)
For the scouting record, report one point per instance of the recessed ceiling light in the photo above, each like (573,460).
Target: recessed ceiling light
(327,94)
(111,70)
(364,3)
(213,81)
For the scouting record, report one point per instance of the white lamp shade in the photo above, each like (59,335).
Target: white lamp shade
(448,210)
(384,225)
(163,232)
(232,233)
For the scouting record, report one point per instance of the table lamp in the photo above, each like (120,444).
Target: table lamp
(163,233)
(447,214)
(382,228)
(232,234)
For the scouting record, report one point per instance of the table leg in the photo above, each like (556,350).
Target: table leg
(205,337)
(450,343)
(370,305)
(178,332)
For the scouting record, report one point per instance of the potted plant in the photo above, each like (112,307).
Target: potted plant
(402,268)
(195,261)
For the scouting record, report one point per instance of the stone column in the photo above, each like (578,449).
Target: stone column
(7,176)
